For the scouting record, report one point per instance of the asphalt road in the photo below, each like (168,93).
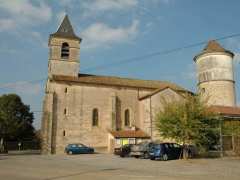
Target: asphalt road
(110,167)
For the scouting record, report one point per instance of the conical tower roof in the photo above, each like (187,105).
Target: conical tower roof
(65,30)
(212,47)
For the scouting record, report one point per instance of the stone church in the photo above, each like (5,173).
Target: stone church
(105,111)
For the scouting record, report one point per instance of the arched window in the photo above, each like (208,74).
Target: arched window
(95,117)
(65,51)
(127,118)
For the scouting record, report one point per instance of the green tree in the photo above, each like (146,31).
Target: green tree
(15,119)
(188,122)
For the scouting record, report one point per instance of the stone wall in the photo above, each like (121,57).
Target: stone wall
(219,93)
(151,106)
(60,66)
(78,102)
(216,78)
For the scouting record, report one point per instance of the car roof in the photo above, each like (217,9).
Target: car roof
(76,144)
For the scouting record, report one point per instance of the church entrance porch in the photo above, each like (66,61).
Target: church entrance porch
(117,139)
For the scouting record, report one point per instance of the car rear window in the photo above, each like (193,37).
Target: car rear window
(176,145)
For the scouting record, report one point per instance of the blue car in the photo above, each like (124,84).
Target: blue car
(78,149)
(165,151)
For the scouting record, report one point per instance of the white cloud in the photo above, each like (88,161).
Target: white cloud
(7,24)
(96,6)
(23,87)
(38,37)
(102,35)
(103,5)
(24,13)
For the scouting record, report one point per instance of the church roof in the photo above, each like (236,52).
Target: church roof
(65,30)
(180,92)
(226,110)
(117,81)
(211,47)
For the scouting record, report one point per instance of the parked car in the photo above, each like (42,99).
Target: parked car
(78,149)
(165,151)
(123,151)
(141,150)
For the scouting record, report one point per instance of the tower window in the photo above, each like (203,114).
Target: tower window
(95,117)
(64,133)
(66,90)
(65,51)
(65,111)
(127,117)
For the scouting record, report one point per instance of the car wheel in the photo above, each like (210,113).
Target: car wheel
(152,158)
(165,157)
(70,152)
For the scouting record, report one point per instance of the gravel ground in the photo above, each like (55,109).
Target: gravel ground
(110,167)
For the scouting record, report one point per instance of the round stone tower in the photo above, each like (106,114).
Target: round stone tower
(215,75)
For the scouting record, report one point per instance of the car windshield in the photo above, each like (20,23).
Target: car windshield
(77,145)
(156,146)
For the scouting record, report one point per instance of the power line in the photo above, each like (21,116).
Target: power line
(157,53)
(22,83)
(130,60)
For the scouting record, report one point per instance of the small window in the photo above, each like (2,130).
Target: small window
(65,51)
(66,90)
(127,118)
(65,111)
(203,90)
(64,133)
(118,141)
(95,117)
(131,141)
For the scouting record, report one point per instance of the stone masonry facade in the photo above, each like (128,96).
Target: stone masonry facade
(82,108)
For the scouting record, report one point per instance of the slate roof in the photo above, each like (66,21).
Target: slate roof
(65,30)
(117,81)
(226,110)
(129,134)
(211,47)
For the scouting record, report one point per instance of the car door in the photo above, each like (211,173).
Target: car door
(177,150)
(74,148)
(82,149)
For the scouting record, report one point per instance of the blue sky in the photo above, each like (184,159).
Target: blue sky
(112,30)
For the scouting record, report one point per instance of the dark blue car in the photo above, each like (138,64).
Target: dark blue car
(78,149)
(165,151)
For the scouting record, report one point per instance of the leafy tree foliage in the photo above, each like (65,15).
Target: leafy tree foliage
(15,119)
(188,122)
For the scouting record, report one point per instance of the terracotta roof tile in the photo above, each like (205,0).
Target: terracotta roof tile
(129,134)
(117,81)
(211,47)
(226,110)
(180,92)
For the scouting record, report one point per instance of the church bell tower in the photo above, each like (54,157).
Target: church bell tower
(64,48)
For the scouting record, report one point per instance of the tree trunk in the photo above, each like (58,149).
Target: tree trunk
(185,151)
(1,145)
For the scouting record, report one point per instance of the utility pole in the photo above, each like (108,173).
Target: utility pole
(151,123)
(220,137)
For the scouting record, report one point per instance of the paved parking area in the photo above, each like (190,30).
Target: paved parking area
(110,167)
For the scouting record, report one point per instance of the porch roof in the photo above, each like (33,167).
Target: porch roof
(129,134)
(226,110)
